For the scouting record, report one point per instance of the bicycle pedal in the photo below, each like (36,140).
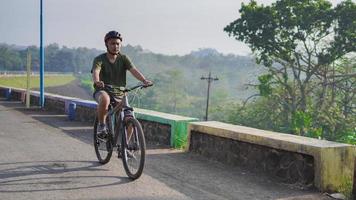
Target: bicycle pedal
(133,147)
(102,140)
(102,136)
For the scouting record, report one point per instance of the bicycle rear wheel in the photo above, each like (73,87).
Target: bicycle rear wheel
(103,147)
(133,148)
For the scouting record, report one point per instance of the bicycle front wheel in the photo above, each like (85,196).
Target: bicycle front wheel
(133,148)
(103,147)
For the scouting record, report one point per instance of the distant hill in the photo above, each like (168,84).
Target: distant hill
(201,53)
(14,46)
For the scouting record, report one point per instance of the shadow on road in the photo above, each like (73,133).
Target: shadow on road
(21,172)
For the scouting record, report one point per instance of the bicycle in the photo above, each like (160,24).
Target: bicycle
(124,134)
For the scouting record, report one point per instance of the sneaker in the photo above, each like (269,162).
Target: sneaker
(102,131)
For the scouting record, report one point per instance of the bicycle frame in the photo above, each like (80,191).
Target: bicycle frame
(117,117)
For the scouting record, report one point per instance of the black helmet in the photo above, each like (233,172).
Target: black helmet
(112,34)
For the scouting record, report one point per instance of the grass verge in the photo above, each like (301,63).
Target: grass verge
(49,81)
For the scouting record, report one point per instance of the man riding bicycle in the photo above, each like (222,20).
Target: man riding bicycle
(110,68)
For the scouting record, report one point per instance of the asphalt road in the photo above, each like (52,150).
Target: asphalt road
(45,156)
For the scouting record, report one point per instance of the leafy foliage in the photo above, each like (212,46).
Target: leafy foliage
(308,48)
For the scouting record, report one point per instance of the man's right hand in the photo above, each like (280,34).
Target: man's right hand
(99,84)
(147,83)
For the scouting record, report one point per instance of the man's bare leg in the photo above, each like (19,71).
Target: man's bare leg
(102,109)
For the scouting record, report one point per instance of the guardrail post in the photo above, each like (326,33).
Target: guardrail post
(8,94)
(71,111)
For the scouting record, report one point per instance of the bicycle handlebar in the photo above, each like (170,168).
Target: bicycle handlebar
(123,89)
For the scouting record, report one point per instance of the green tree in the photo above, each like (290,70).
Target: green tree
(10,58)
(52,60)
(171,95)
(298,42)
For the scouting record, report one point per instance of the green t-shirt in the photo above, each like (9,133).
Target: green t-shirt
(112,74)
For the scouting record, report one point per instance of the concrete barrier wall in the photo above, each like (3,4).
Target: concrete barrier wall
(329,166)
(156,133)
(287,158)
(283,166)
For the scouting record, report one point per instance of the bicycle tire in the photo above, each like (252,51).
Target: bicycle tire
(105,158)
(128,153)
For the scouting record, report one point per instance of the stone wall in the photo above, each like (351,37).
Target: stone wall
(84,114)
(152,128)
(15,95)
(55,105)
(287,167)
(34,100)
(288,158)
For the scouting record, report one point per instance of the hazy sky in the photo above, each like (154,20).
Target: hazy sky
(162,26)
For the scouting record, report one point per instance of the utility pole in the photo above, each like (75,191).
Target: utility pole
(41,57)
(209,79)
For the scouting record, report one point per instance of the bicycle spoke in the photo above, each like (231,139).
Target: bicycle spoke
(103,147)
(132,160)
(134,150)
